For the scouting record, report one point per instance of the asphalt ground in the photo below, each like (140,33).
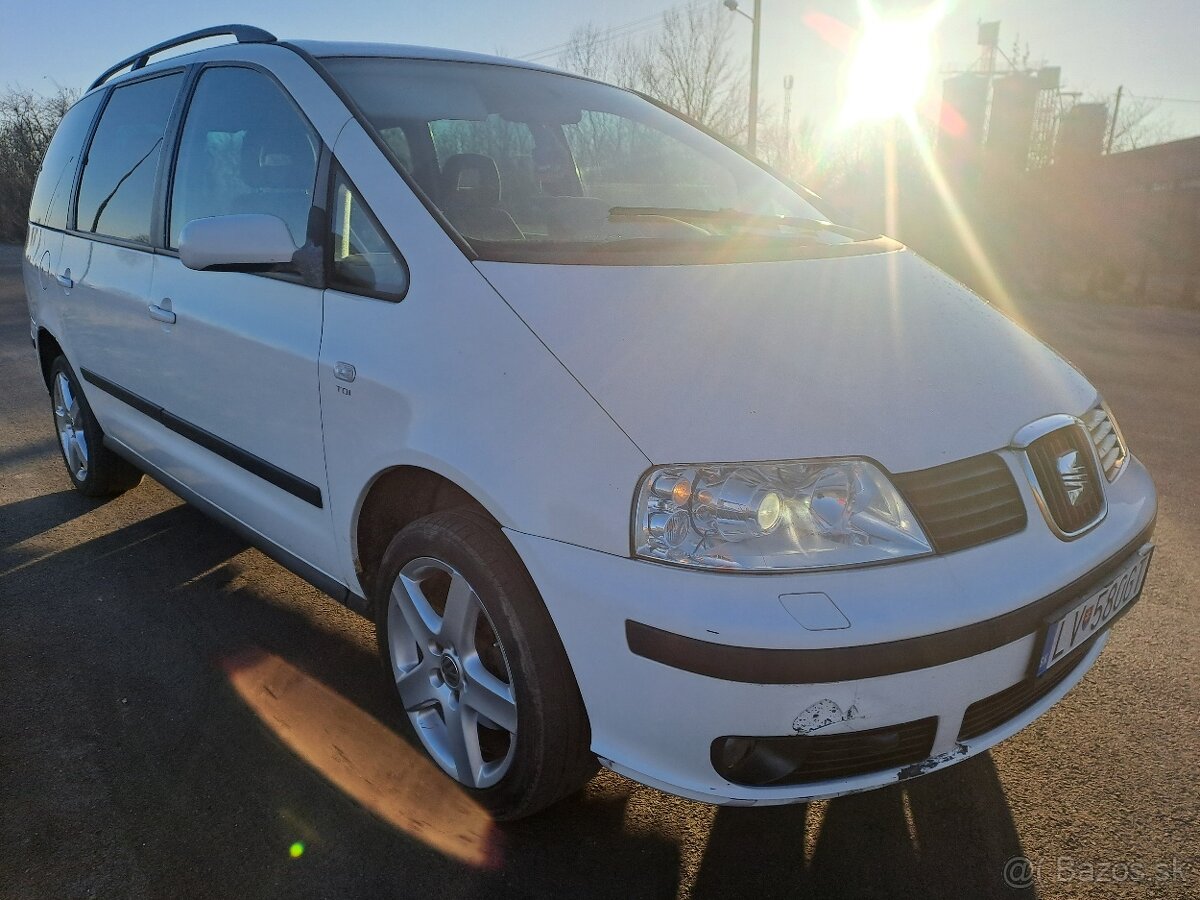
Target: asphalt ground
(180,717)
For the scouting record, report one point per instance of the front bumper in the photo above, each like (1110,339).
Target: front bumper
(966,623)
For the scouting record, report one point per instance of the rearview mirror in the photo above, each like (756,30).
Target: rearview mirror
(246,242)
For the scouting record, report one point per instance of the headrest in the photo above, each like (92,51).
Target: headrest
(275,159)
(471,179)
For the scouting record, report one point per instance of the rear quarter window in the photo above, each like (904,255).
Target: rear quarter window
(52,193)
(116,190)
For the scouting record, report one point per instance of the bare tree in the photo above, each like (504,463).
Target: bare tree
(1140,123)
(792,151)
(687,64)
(27,122)
(590,51)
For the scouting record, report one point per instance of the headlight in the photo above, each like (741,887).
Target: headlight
(774,516)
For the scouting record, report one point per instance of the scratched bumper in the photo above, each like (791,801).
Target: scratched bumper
(657,723)
(947,752)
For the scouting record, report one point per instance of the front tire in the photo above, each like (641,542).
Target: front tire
(94,470)
(478,664)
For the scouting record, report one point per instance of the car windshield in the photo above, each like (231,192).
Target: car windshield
(534,166)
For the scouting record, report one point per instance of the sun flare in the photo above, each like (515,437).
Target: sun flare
(891,67)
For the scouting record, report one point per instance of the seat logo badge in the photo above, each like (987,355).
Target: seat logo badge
(1073,474)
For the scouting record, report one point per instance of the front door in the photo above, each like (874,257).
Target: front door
(237,368)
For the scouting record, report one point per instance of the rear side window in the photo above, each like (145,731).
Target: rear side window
(116,192)
(51,195)
(245,149)
(364,260)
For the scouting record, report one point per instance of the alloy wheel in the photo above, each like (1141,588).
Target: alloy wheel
(452,673)
(68,420)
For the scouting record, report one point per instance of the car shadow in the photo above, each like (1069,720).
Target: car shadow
(144,757)
(23,519)
(15,458)
(949,834)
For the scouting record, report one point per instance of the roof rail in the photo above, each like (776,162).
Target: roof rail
(245,34)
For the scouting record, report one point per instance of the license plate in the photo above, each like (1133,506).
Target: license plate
(1095,612)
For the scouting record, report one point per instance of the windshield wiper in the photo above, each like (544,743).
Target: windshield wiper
(732,216)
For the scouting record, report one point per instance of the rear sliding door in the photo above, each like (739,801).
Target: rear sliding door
(107,259)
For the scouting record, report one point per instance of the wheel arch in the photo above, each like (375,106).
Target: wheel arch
(394,498)
(49,349)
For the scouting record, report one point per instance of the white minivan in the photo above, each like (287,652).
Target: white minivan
(631,454)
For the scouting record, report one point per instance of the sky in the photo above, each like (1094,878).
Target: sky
(1148,46)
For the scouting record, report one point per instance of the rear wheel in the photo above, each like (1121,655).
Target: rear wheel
(94,469)
(478,665)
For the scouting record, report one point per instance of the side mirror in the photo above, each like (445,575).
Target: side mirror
(248,242)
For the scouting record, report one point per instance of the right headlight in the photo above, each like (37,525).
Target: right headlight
(775,516)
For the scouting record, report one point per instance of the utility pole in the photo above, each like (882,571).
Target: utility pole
(1112,128)
(752,140)
(756,23)
(788,81)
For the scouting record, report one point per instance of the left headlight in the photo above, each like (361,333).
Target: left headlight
(780,516)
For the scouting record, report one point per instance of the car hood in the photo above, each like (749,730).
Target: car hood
(878,355)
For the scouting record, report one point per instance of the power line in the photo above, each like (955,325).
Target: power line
(627,29)
(1167,99)
(610,35)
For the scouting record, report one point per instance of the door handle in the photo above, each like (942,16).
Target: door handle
(161,315)
(65,279)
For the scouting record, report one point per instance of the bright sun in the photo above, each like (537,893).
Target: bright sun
(891,65)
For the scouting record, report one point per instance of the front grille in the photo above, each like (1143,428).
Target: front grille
(1065,469)
(799,759)
(966,503)
(992,712)
(1110,447)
